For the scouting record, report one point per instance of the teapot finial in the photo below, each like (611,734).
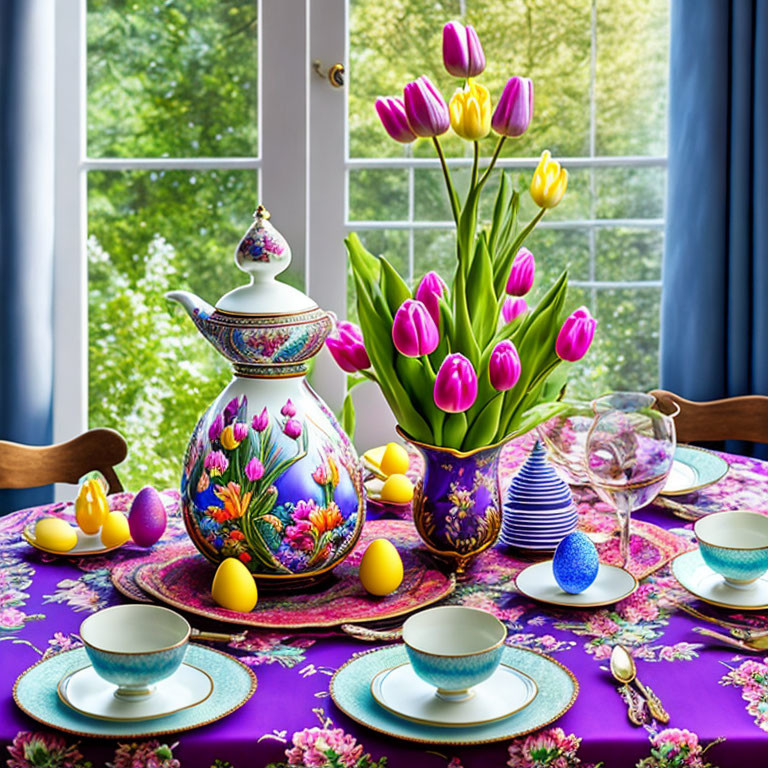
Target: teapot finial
(263,252)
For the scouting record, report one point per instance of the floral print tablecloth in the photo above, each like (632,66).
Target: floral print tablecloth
(716,698)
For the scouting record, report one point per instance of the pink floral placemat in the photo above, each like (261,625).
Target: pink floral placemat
(178,576)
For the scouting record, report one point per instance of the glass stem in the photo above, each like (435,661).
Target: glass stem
(624,513)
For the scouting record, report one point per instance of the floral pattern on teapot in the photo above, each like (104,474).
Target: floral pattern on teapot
(275,492)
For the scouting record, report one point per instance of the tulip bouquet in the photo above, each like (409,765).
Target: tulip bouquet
(466,365)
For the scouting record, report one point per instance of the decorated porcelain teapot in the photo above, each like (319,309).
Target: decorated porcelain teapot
(269,475)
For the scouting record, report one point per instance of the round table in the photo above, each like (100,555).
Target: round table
(710,691)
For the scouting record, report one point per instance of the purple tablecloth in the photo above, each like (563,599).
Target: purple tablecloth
(710,691)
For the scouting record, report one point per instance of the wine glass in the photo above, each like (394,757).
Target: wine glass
(565,437)
(629,452)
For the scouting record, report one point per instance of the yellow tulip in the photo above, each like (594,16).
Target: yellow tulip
(470,109)
(91,506)
(228,439)
(549,182)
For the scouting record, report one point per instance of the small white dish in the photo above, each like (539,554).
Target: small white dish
(87,693)
(612,584)
(400,691)
(87,544)
(700,580)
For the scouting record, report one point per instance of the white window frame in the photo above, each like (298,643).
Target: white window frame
(304,166)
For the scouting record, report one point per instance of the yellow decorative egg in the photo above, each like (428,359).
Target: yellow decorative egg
(55,534)
(381,569)
(395,460)
(115,530)
(397,489)
(234,587)
(373,456)
(91,507)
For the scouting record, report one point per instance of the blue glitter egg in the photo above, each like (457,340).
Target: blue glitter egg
(575,563)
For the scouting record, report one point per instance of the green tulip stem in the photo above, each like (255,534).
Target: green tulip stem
(494,158)
(448,181)
(475,161)
(369,373)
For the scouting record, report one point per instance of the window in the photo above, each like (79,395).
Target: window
(600,72)
(173,117)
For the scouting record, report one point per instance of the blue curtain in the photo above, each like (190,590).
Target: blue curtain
(26,235)
(715,295)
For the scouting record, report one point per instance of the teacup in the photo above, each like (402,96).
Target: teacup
(735,545)
(135,646)
(454,648)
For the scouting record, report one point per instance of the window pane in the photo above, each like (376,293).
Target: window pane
(172,79)
(556,250)
(631,77)
(630,193)
(548,41)
(378,195)
(150,373)
(628,254)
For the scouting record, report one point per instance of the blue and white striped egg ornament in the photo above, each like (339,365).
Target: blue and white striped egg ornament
(575,564)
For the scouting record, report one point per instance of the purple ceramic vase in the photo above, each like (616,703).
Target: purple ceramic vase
(457,502)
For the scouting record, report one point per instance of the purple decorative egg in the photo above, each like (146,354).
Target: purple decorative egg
(575,563)
(147,518)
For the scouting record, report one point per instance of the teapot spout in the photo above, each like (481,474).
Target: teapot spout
(200,311)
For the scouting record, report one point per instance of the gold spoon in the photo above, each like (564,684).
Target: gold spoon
(624,670)
(215,637)
(739,631)
(755,644)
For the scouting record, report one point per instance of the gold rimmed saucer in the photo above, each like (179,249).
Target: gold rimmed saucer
(611,585)
(402,692)
(87,544)
(85,692)
(701,581)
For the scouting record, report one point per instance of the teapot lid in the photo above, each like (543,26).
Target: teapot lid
(264,253)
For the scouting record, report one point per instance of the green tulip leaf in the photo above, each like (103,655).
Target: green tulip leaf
(393,286)
(364,264)
(500,213)
(481,300)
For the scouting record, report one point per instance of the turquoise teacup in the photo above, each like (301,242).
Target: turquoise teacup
(454,648)
(135,646)
(735,545)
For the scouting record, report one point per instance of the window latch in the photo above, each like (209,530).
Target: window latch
(335,74)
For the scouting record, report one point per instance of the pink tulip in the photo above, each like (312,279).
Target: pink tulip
(504,366)
(254,470)
(348,349)
(521,275)
(260,422)
(289,409)
(514,111)
(456,384)
(413,330)
(576,335)
(216,463)
(239,431)
(513,308)
(392,115)
(462,53)
(425,108)
(430,289)
(292,428)
(216,428)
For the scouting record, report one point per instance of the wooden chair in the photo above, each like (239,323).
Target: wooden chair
(735,418)
(29,466)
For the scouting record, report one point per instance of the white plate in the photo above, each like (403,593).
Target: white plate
(87,693)
(693,468)
(700,580)
(87,544)
(611,585)
(401,691)
(541,528)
